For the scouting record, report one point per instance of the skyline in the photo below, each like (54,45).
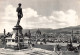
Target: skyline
(40,14)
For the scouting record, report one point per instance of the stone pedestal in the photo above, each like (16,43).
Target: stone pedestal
(17,39)
(18,35)
(18,30)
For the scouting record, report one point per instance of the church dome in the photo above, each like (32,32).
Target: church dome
(38,32)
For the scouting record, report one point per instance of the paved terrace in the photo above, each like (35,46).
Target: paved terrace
(34,51)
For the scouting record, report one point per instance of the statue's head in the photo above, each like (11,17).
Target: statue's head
(19,4)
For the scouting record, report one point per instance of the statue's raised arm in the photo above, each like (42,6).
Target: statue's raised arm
(19,13)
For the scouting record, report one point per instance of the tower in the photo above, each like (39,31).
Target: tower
(4,32)
(38,35)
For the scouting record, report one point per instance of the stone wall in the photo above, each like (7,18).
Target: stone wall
(70,53)
(47,47)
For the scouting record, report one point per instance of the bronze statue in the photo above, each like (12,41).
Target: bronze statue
(20,14)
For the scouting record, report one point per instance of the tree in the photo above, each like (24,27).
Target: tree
(58,47)
(9,34)
(44,40)
(29,34)
(70,46)
(74,39)
(25,34)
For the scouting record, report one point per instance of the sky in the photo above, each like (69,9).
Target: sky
(40,14)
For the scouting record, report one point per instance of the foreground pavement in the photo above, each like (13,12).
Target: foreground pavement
(34,51)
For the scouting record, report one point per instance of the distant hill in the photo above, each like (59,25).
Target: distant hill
(69,29)
(1,34)
(49,30)
(60,30)
(43,30)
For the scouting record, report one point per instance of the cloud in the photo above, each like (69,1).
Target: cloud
(31,19)
(64,19)
(28,13)
(9,20)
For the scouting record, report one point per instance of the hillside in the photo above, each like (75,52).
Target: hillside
(49,30)
(60,30)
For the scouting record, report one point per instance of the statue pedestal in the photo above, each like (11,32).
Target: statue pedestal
(16,38)
(18,30)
